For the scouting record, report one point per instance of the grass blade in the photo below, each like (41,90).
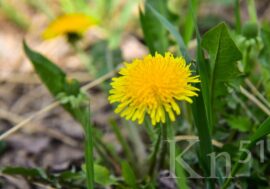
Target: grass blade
(154,32)
(189,24)
(89,150)
(173,31)
(200,108)
(122,141)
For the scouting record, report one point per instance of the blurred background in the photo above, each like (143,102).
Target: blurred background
(116,38)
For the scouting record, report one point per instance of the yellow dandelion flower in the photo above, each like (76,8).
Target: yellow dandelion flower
(76,23)
(153,86)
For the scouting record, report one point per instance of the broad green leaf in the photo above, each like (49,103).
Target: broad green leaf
(240,123)
(172,29)
(223,54)
(55,80)
(102,176)
(129,175)
(154,33)
(223,57)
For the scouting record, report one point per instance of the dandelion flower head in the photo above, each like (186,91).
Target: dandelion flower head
(152,86)
(73,23)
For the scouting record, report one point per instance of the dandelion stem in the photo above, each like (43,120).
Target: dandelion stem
(252,10)
(237,15)
(163,150)
(153,157)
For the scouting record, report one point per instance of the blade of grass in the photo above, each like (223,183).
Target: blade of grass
(189,24)
(154,33)
(175,33)
(89,150)
(14,15)
(139,152)
(154,154)
(201,108)
(181,179)
(111,153)
(122,141)
(42,6)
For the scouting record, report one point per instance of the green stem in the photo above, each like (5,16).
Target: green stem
(154,155)
(237,16)
(149,129)
(252,10)
(164,149)
(89,151)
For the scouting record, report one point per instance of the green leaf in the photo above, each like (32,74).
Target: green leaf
(26,172)
(261,132)
(89,150)
(189,24)
(154,33)
(57,83)
(172,29)
(102,176)
(240,123)
(223,57)
(51,75)
(223,54)
(129,175)
(201,108)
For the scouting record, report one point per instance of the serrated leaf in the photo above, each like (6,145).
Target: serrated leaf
(224,55)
